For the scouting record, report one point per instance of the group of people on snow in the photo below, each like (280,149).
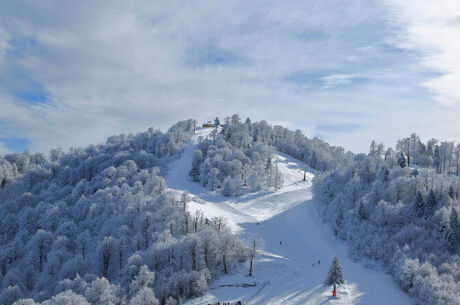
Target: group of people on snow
(313,265)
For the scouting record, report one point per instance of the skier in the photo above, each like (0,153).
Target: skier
(319,262)
(280,242)
(313,265)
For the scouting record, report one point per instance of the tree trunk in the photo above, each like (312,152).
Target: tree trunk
(225,264)
(193,258)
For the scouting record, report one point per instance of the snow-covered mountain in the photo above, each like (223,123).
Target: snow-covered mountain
(185,216)
(286,270)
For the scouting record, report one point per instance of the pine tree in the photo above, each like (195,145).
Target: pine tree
(402,160)
(314,160)
(453,222)
(339,219)
(451,239)
(451,192)
(453,232)
(437,159)
(386,175)
(419,205)
(430,203)
(195,173)
(362,212)
(334,275)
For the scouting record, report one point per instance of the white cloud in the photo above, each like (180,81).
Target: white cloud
(117,66)
(432,28)
(338,79)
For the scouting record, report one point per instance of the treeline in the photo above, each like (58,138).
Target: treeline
(97,226)
(444,156)
(401,207)
(241,157)
(146,149)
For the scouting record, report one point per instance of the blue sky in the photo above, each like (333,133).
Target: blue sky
(347,71)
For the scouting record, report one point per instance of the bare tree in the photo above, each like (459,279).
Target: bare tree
(256,245)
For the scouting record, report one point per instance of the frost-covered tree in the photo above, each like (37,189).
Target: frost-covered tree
(419,205)
(334,275)
(85,226)
(402,216)
(430,204)
(241,157)
(145,296)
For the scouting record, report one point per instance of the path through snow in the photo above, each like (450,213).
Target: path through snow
(283,273)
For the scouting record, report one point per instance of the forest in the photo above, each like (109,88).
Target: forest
(400,206)
(395,205)
(97,226)
(241,157)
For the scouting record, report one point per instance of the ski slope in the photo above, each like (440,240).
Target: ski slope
(283,273)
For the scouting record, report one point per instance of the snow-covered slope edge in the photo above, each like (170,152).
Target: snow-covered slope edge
(283,273)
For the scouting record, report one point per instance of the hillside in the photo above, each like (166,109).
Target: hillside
(179,217)
(97,226)
(283,274)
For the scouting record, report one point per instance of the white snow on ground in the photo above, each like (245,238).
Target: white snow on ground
(283,273)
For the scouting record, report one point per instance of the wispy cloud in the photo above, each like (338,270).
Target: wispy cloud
(432,28)
(74,74)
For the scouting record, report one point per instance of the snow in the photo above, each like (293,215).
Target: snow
(283,273)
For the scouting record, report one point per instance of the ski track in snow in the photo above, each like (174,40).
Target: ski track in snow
(283,273)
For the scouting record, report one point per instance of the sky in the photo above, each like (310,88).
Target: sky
(73,73)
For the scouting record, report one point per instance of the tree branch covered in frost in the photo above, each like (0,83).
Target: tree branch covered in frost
(241,157)
(96,226)
(401,207)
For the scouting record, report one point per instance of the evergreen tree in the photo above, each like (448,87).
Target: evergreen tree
(314,160)
(430,203)
(451,239)
(195,172)
(453,222)
(451,192)
(339,219)
(437,159)
(453,232)
(362,212)
(402,160)
(334,275)
(386,175)
(419,205)
(373,148)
